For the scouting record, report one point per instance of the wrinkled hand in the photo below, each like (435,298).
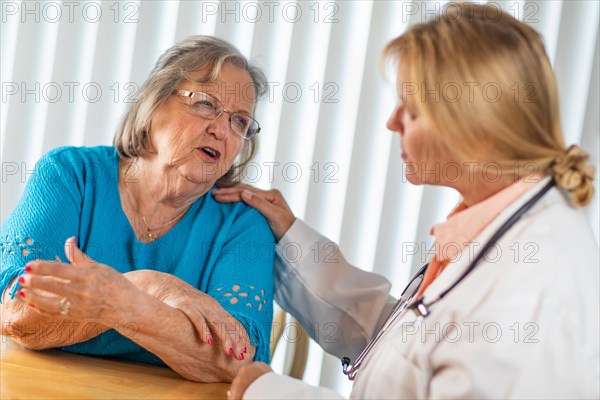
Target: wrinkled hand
(269,203)
(83,290)
(209,318)
(245,377)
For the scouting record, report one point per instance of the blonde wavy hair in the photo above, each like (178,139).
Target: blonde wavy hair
(485,83)
(205,54)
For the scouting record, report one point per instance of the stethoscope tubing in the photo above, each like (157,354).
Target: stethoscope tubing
(419,307)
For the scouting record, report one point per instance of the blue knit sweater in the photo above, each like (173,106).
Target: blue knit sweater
(224,250)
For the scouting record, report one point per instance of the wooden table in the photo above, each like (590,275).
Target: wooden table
(53,374)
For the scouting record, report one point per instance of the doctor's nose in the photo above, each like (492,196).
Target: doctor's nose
(394,122)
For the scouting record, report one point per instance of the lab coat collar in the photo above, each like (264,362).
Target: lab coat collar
(457,266)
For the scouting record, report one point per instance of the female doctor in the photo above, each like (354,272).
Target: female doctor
(482,320)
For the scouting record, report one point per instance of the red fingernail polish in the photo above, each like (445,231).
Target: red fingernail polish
(21,293)
(21,279)
(231,350)
(27,268)
(209,341)
(241,356)
(245,351)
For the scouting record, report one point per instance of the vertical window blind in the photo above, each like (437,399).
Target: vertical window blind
(70,69)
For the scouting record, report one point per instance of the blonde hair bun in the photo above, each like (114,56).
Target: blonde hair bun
(573,173)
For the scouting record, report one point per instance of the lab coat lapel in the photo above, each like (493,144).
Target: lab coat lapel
(455,268)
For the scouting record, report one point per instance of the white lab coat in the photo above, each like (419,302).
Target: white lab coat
(523,324)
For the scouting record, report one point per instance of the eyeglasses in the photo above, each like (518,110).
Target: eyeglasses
(209,107)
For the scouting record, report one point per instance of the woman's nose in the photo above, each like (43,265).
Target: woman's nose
(220,127)
(394,122)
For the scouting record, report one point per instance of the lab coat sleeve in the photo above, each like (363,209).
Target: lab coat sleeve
(274,386)
(339,305)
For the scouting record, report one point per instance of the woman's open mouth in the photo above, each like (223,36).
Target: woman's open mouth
(209,153)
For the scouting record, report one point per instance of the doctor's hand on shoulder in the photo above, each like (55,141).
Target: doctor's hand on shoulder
(245,377)
(269,203)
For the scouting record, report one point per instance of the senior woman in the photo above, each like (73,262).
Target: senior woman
(160,273)
(502,325)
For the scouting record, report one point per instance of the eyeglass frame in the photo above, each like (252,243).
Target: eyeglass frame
(187,93)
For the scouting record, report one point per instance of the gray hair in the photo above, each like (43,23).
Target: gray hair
(205,54)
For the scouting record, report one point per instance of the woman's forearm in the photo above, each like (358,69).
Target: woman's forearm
(169,334)
(166,331)
(208,323)
(159,328)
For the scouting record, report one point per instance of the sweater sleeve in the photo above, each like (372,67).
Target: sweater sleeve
(242,280)
(47,214)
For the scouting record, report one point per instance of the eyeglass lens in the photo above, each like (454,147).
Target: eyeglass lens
(209,107)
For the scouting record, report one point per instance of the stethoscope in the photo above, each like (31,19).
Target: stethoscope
(422,310)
